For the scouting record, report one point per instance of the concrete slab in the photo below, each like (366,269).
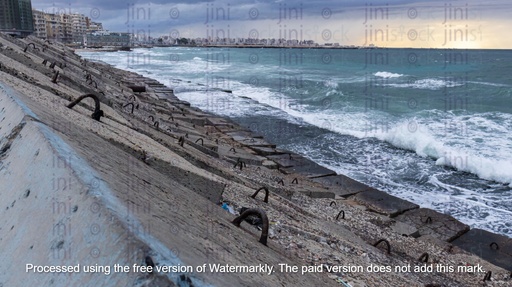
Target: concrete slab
(264,151)
(342,185)
(301,165)
(244,134)
(494,248)
(251,141)
(311,170)
(431,222)
(283,160)
(217,121)
(405,229)
(383,203)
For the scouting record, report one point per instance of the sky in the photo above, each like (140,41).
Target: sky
(467,24)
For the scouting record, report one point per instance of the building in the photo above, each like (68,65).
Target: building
(63,27)
(94,26)
(26,21)
(16,17)
(66,35)
(53,27)
(78,26)
(101,39)
(39,24)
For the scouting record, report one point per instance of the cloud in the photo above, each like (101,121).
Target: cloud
(322,21)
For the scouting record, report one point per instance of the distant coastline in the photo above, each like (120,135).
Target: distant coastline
(119,48)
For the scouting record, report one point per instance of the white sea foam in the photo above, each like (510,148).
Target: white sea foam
(387,75)
(483,160)
(429,84)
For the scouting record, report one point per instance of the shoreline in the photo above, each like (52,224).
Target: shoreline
(115,49)
(245,123)
(334,182)
(206,138)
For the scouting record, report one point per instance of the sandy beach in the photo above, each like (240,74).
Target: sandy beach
(145,185)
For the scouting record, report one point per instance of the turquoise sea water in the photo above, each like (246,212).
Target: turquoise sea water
(430,126)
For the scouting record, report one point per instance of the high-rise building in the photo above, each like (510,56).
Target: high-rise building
(67,31)
(39,24)
(16,17)
(26,24)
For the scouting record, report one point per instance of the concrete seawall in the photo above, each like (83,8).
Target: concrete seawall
(126,190)
(55,213)
(73,195)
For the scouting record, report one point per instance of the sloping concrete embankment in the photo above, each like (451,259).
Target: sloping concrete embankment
(142,185)
(72,194)
(57,209)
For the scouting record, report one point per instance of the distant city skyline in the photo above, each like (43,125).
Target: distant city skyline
(436,24)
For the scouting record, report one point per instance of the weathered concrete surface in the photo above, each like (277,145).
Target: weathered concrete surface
(50,215)
(430,222)
(494,248)
(383,203)
(405,229)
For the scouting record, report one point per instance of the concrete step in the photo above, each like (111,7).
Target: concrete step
(383,203)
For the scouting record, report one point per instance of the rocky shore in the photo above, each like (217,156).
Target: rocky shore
(143,181)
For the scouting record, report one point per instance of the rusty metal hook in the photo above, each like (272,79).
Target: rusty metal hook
(266,194)
(385,241)
(98,113)
(487,276)
(494,244)
(129,104)
(242,164)
(54,79)
(264,219)
(423,257)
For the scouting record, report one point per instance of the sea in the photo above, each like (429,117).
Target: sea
(430,126)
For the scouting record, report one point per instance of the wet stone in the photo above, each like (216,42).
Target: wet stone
(431,222)
(494,248)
